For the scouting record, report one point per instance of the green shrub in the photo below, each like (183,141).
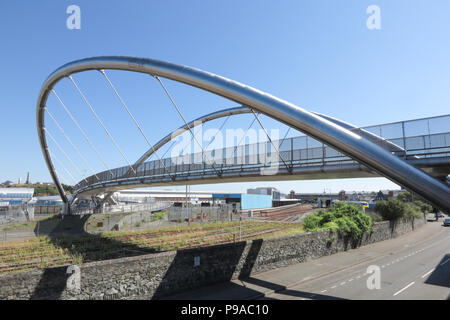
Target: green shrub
(423,206)
(348,220)
(311,222)
(394,209)
(348,227)
(333,226)
(412,211)
(391,209)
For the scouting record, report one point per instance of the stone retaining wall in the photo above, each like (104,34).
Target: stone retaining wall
(161,274)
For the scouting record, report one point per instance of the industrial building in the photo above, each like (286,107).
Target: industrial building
(271,191)
(246,201)
(163,195)
(15,196)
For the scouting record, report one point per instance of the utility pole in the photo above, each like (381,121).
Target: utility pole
(240,226)
(186,206)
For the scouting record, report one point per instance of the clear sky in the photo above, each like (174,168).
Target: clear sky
(319,55)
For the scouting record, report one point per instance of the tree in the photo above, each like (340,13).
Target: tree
(405,196)
(391,209)
(67,188)
(348,220)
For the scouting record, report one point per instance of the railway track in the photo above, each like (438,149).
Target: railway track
(288,213)
(59,252)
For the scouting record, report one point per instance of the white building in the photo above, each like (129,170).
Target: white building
(11,196)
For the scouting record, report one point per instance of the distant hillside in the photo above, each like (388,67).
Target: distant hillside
(42,190)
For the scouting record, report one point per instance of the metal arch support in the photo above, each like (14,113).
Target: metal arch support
(338,137)
(209,117)
(237,111)
(192,124)
(245,110)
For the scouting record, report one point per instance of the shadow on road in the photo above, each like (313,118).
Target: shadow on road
(441,274)
(224,289)
(279,289)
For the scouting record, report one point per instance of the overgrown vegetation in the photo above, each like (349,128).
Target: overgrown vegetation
(43,190)
(402,207)
(159,215)
(349,220)
(44,252)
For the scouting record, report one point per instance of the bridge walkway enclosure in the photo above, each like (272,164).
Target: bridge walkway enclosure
(308,158)
(414,154)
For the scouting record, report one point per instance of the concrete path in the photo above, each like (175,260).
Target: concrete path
(413,266)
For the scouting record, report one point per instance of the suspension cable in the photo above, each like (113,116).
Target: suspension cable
(62,165)
(214,137)
(242,138)
(268,137)
(220,129)
(185,122)
(133,118)
(284,138)
(173,142)
(83,133)
(71,143)
(65,154)
(101,123)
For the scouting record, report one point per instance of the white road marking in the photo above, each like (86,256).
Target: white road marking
(427,273)
(342,283)
(350,279)
(409,285)
(323,291)
(333,287)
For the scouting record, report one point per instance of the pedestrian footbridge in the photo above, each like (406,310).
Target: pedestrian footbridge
(414,154)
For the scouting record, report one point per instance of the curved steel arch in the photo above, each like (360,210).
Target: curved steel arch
(389,146)
(338,137)
(209,117)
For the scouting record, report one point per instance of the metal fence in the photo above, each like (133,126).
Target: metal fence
(16,214)
(47,209)
(136,207)
(429,137)
(223,212)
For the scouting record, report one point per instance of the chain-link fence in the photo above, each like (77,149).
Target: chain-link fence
(16,214)
(11,215)
(123,208)
(224,212)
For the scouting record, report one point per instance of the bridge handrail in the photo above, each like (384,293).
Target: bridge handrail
(172,163)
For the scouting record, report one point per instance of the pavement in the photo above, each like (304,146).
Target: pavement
(413,266)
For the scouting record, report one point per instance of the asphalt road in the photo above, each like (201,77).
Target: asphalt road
(413,266)
(418,271)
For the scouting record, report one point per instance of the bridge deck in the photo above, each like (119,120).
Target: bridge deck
(254,162)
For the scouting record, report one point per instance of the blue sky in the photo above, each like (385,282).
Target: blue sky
(317,54)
